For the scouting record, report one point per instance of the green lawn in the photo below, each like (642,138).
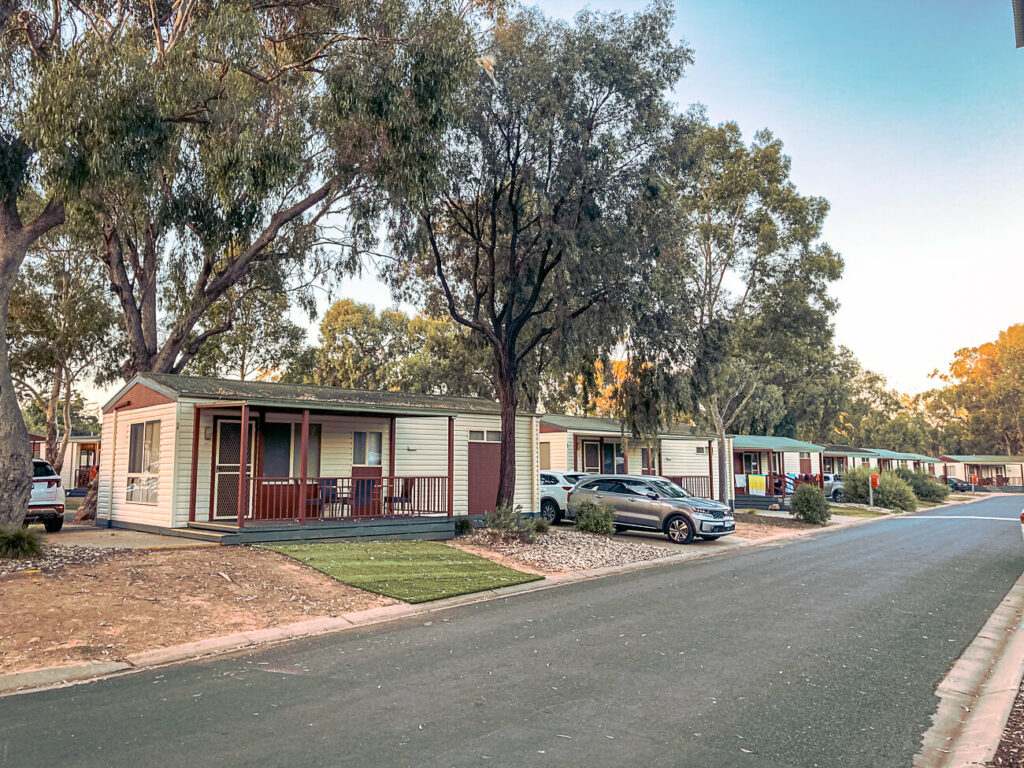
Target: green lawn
(411,571)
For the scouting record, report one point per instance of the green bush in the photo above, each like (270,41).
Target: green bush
(507,521)
(463,525)
(541,524)
(925,487)
(893,492)
(595,518)
(808,503)
(17,541)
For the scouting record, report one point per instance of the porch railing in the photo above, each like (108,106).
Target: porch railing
(695,485)
(344,498)
(82,477)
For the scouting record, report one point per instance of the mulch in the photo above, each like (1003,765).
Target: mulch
(58,557)
(777,522)
(1011,747)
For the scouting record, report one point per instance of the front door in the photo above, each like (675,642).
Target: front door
(592,457)
(227,466)
(484,468)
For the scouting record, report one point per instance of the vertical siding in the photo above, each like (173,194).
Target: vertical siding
(114,473)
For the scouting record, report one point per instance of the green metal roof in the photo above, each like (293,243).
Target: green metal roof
(882,453)
(270,393)
(984,459)
(771,443)
(605,426)
(848,450)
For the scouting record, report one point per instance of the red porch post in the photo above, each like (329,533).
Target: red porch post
(243,466)
(391,466)
(195,465)
(451,465)
(575,445)
(303,466)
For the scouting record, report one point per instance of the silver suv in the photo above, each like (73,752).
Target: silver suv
(833,484)
(651,503)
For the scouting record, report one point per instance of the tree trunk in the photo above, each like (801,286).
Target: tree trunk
(88,509)
(722,440)
(15,448)
(508,397)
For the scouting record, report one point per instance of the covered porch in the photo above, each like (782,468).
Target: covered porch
(306,467)
(768,469)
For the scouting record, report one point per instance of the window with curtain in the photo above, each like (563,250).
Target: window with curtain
(143,462)
(367,449)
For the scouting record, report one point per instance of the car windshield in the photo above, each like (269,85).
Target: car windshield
(669,490)
(42,469)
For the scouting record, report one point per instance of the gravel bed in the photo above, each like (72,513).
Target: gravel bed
(750,518)
(568,550)
(1011,745)
(57,557)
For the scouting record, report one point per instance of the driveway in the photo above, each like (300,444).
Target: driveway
(820,651)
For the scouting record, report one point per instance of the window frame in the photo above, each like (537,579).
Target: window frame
(145,480)
(367,449)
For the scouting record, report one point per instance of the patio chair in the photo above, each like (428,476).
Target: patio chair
(326,499)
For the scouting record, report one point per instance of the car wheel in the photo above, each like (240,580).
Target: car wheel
(837,496)
(53,524)
(679,530)
(549,511)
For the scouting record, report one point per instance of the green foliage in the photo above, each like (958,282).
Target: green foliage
(19,542)
(506,521)
(893,492)
(541,524)
(925,487)
(463,526)
(84,418)
(808,503)
(595,518)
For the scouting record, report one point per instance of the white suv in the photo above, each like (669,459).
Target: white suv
(46,505)
(553,489)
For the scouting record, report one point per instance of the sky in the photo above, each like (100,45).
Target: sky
(908,116)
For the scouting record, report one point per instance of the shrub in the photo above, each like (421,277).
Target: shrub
(893,492)
(507,521)
(855,485)
(17,541)
(463,525)
(808,503)
(925,487)
(595,518)
(541,524)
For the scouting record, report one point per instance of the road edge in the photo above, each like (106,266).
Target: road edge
(978,692)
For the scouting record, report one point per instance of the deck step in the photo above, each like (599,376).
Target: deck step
(218,527)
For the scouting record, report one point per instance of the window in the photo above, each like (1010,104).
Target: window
(751,463)
(480,436)
(42,469)
(476,435)
(805,455)
(546,479)
(545,455)
(143,462)
(367,449)
(701,450)
(613,460)
(282,450)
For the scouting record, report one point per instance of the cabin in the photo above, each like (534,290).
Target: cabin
(594,445)
(767,469)
(842,458)
(1006,472)
(81,461)
(916,462)
(310,462)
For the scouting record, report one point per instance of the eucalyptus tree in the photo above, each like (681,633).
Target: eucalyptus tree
(196,141)
(528,234)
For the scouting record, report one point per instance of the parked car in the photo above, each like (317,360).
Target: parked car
(956,484)
(46,504)
(651,503)
(554,488)
(833,486)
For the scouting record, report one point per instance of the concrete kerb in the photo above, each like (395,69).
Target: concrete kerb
(84,672)
(976,696)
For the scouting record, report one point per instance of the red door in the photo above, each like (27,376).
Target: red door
(366,491)
(805,465)
(484,466)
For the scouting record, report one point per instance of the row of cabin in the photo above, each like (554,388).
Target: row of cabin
(80,464)
(285,461)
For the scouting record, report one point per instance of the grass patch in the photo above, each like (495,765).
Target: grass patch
(854,512)
(961,497)
(410,571)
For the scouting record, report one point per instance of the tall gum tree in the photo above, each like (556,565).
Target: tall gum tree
(528,235)
(194,142)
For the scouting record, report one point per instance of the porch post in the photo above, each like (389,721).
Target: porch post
(243,467)
(303,466)
(575,446)
(195,465)
(821,471)
(451,465)
(391,466)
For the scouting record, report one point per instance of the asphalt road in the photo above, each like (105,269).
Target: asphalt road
(822,651)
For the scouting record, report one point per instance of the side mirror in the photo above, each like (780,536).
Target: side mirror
(652,495)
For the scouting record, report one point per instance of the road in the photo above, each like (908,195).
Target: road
(823,651)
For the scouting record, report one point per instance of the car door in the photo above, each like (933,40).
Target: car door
(637,508)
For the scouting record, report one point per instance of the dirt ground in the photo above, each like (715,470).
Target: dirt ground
(750,526)
(144,599)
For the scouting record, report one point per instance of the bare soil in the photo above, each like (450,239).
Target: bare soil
(139,600)
(753,527)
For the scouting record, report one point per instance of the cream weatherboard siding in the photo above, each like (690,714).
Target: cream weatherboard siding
(561,450)
(112,490)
